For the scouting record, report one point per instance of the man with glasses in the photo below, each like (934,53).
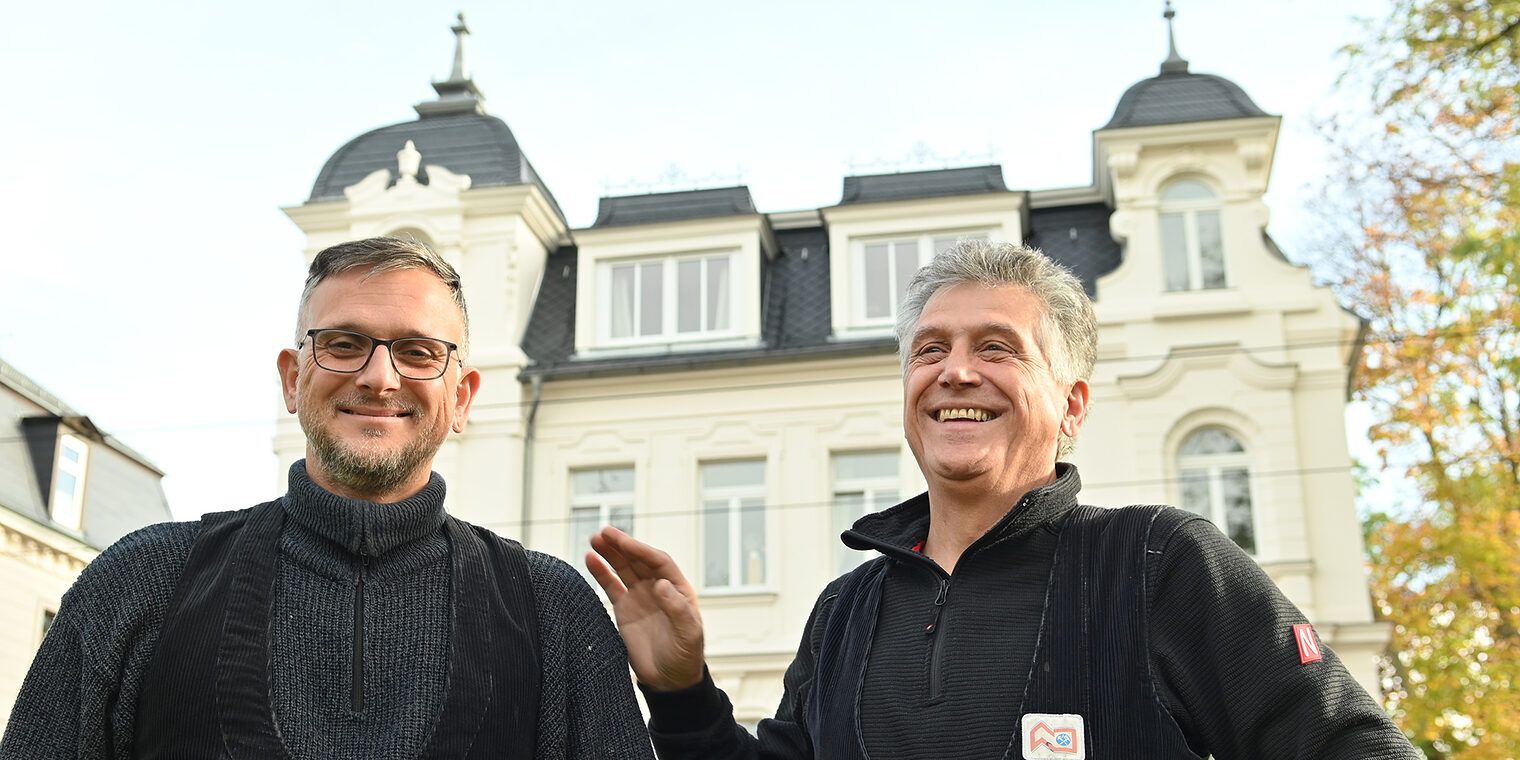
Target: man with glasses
(352,617)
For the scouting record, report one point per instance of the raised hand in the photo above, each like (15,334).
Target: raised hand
(655,608)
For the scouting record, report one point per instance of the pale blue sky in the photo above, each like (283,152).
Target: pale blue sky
(149,278)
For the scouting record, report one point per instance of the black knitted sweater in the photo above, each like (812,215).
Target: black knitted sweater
(1222,656)
(80,697)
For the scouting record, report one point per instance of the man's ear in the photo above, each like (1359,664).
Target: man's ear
(464,395)
(289,364)
(1077,399)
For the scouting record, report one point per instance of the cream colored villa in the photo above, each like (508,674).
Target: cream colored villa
(722,382)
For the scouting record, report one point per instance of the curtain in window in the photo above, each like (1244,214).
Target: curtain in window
(620,310)
(718,287)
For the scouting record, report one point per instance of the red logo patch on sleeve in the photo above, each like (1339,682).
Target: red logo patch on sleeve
(1308,644)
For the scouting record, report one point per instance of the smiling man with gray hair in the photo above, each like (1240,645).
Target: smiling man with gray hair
(1002,618)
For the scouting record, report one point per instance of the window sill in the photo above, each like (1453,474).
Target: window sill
(1187,304)
(737,596)
(669,347)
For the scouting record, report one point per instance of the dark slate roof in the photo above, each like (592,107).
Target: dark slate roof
(478,145)
(1077,237)
(872,188)
(652,208)
(1175,97)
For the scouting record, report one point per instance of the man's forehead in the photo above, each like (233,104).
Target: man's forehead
(358,294)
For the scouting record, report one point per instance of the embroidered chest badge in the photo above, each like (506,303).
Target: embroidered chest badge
(1308,645)
(1045,736)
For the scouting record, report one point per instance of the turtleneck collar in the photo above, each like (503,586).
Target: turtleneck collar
(365,528)
(899,528)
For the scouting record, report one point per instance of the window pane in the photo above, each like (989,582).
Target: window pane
(878,295)
(689,295)
(881,500)
(906,262)
(848,507)
(620,311)
(730,474)
(584,521)
(1186,190)
(1195,491)
(880,464)
(611,480)
(651,307)
(1211,441)
(67,483)
(1239,525)
(1174,255)
(752,541)
(1210,250)
(715,543)
(70,453)
(717,293)
(621,517)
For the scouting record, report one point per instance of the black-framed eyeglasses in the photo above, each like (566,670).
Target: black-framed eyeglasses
(347,351)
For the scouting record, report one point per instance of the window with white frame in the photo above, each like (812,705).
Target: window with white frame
(665,299)
(885,266)
(599,497)
(1214,473)
(1192,244)
(864,482)
(67,506)
(733,524)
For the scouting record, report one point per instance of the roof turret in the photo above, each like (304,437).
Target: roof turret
(1177,96)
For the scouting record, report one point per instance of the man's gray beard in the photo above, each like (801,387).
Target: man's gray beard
(369,474)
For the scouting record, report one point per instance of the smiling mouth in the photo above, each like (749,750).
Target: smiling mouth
(385,413)
(974,415)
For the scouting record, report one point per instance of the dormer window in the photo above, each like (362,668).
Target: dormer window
(672,298)
(67,503)
(885,266)
(1192,248)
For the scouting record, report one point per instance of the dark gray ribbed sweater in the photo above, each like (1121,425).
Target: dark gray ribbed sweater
(79,699)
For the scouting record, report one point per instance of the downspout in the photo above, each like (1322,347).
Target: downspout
(537,382)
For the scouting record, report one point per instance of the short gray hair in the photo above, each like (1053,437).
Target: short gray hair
(380,255)
(1068,332)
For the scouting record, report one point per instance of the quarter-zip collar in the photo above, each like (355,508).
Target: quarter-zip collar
(364,528)
(896,530)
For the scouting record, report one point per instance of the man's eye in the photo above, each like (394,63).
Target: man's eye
(342,346)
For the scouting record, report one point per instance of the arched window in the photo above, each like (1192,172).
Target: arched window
(1192,248)
(1215,475)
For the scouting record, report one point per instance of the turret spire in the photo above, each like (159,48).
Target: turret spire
(1174,64)
(457,94)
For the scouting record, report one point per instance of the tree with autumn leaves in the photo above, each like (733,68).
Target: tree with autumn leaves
(1424,197)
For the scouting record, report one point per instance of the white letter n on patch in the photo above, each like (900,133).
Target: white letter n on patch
(1308,645)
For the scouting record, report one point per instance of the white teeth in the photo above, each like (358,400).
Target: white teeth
(975,415)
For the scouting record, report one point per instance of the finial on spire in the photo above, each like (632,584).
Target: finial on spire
(459,74)
(1174,64)
(457,94)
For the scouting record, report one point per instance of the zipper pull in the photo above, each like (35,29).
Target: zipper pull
(939,604)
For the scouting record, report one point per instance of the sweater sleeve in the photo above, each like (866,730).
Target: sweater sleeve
(1228,666)
(79,699)
(698,723)
(587,708)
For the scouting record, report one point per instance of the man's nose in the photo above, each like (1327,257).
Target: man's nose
(959,369)
(380,373)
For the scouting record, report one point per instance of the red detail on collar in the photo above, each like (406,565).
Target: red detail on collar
(919,547)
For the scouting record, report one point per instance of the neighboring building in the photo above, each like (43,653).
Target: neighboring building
(722,381)
(67,491)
